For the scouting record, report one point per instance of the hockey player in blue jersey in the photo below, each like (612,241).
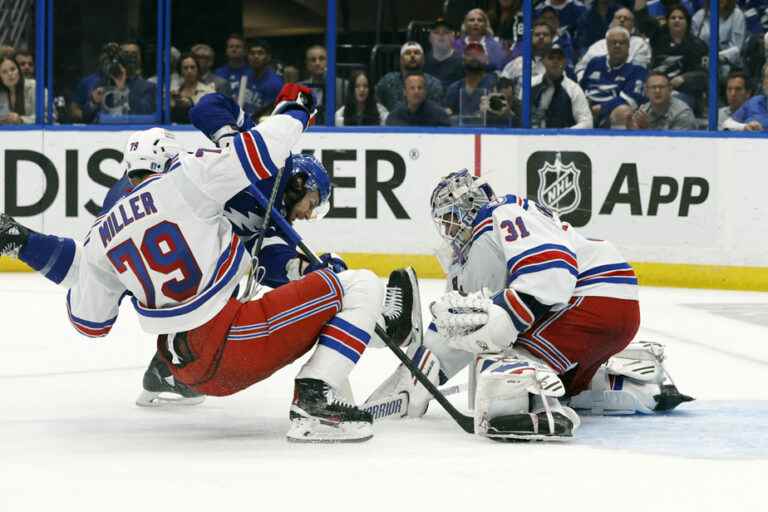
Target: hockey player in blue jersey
(614,86)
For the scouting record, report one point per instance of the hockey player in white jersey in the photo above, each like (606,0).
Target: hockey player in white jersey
(167,245)
(220,119)
(540,309)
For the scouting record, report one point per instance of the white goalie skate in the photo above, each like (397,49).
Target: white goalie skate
(632,381)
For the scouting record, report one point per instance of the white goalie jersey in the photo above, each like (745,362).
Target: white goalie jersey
(167,244)
(523,246)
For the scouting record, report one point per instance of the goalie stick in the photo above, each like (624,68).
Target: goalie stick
(467,423)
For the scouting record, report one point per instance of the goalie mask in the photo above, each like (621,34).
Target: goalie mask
(306,174)
(455,202)
(149,151)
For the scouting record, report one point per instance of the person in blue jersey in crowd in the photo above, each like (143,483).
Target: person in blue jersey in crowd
(613,85)
(236,66)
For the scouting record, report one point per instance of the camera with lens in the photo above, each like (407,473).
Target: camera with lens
(497,102)
(110,61)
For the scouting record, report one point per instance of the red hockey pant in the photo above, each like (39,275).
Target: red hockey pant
(248,342)
(588,332)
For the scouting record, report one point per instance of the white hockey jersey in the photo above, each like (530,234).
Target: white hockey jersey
(518,244)
(167,243)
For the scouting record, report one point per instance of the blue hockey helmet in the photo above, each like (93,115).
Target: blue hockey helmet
(455,202)
(307,174)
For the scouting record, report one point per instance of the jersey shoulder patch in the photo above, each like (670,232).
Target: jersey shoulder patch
(486,212)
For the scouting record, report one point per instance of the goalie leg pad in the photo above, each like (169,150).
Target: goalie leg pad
(634,381)
(517,399)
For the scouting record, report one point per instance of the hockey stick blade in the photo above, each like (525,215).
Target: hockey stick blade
(467,423)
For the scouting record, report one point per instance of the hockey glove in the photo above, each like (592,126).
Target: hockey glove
(296,97)
(328,260)
(473,323)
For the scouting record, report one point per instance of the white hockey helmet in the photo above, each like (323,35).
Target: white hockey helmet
(149,150)
(455,202)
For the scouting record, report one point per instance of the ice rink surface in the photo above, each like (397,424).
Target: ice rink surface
(72,439)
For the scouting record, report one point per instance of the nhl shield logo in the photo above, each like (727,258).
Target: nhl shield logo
(559,186)
(561,181)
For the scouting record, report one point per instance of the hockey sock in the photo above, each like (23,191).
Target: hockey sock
(50,255)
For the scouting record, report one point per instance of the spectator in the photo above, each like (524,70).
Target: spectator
(569,12)
(263,84)
(442,61)
(556,100)
(131,55)
(541,41)
(360,108)
(754,14)
(237,66)
(476,29)
(732,33)
(190,89)
(501,108)
(175,76)
(17,94)
(390,88)
(110,91)
(291,74)
(753,114)
(680,56)
(505,18)
(417,110)
(613,86)
(26,62)
(594,23)
(7,51)
(463,96)
(316,62)
(737,92)
(205,57)
(662,111)
(639,49)
(561,38)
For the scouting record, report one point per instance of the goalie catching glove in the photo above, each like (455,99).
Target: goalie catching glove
(473,323)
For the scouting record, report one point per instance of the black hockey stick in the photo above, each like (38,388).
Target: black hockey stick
(467,423)
(264,225)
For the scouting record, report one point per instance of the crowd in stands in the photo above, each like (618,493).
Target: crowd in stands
(612,64)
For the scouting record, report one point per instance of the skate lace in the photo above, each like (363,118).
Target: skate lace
(335,401)
(393,303)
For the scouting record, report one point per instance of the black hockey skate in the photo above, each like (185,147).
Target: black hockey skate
(530,427)
(13,236)
(402,307)
(160,388)
(318,415)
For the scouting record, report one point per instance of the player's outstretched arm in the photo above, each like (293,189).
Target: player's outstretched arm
(257,154)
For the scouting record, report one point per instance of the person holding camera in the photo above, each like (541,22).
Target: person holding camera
(501,108)
(556,100)
(116,89)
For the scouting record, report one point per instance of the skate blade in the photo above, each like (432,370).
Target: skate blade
(312,430)
(521,438)
(154,399)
